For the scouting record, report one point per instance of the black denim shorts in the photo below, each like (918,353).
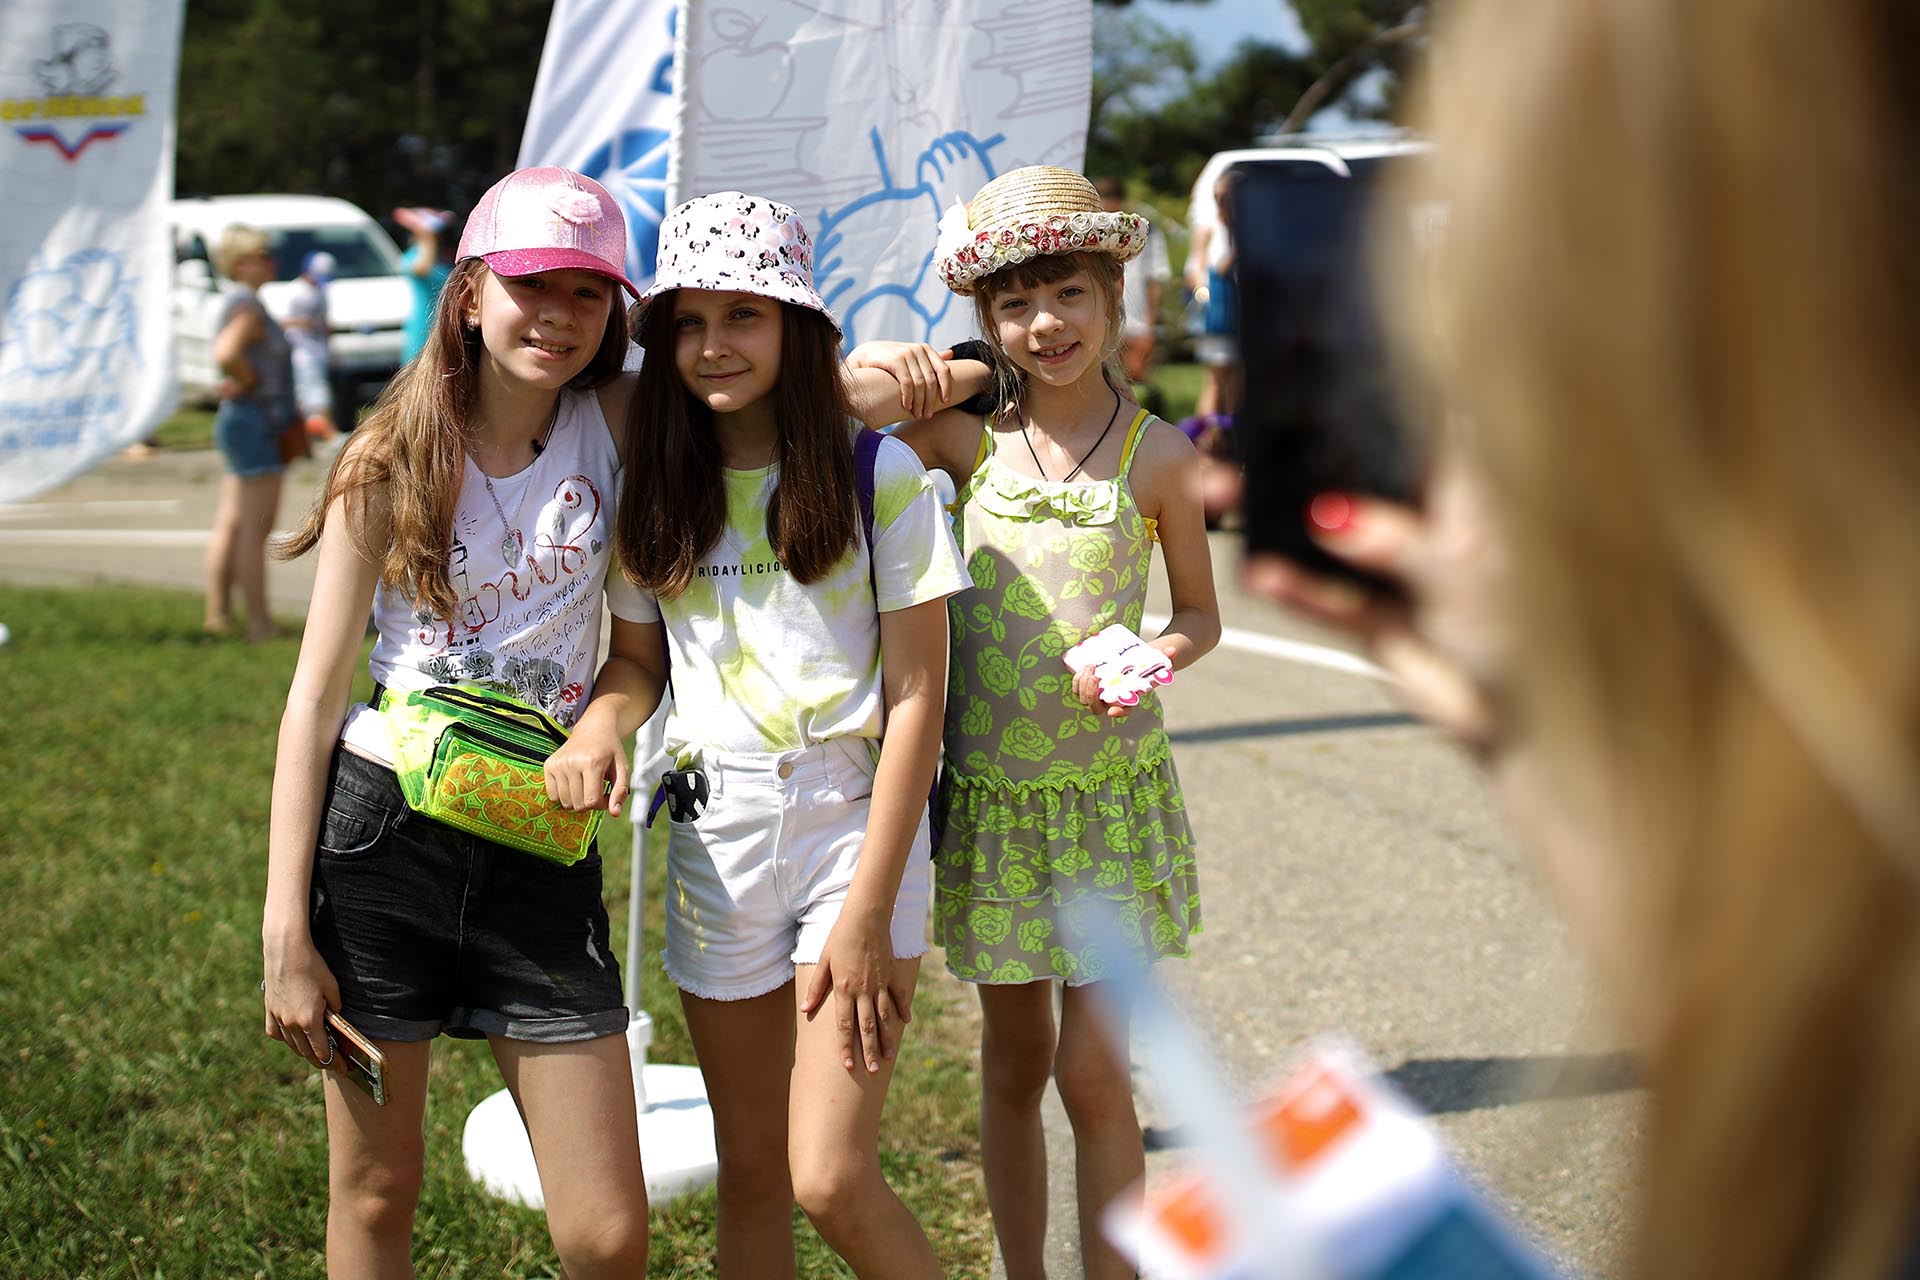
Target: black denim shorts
(428,929)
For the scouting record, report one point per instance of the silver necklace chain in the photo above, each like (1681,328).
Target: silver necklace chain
(511,541)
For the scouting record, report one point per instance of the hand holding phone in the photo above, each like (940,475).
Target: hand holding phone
(1320,412)
(357,1058)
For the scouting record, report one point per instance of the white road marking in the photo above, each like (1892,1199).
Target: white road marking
(111,537)
(101,506)
(1310,655)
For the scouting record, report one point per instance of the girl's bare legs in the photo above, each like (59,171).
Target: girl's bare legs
(375,1160)
(577,1102)
(745,1049)
(1097,1091)
(1016,1058)
(834,1150)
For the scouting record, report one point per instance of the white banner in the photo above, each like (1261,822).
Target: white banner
(870,119)
(603,105)
(86,170)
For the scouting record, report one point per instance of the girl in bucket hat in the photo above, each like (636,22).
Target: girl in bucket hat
(1055,806)
(809,662)
(473,513)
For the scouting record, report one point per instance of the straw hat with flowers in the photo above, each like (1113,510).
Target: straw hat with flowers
(1023,214)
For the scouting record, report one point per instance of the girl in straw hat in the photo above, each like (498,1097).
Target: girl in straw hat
(1056,806)
(809,655)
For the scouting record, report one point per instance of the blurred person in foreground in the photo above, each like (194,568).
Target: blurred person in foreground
(256,401)
(1662,584)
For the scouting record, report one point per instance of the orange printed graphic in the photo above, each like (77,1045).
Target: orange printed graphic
(1306,1119)
(1188,1215)
(510,798)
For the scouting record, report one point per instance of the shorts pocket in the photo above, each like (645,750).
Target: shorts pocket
(352,826)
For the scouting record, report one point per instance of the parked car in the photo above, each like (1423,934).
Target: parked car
(367,303)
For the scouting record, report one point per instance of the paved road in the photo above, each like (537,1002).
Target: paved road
(1354,877)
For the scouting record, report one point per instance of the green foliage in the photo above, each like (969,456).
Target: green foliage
(147,1127)
(383,104)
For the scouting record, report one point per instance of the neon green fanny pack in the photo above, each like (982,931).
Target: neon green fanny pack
(476,760)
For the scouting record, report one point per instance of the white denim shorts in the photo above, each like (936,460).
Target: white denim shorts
(756,881)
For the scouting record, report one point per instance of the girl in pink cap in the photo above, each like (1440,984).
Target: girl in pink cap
(472,513)
(799,566)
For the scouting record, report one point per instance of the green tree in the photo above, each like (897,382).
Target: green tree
(383,104)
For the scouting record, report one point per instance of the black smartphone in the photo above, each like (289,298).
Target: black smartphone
(357,1058)
(1319,411)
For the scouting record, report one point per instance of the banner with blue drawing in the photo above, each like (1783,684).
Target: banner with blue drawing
(603,105)
(86,170)
(872,116)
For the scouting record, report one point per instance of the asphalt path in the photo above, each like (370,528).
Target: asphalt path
(1355,879)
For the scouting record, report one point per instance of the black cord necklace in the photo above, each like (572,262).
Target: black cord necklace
(1026,433)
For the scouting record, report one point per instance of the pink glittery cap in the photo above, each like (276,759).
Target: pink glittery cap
(548,219)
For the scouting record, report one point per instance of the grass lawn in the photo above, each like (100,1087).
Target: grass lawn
(190,428)
(147,1128)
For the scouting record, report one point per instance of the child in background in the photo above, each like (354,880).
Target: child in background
(472,512)
(809,660)
(1052,804)
(307,333)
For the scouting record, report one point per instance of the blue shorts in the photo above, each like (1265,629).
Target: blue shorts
(429,930)
(248,443)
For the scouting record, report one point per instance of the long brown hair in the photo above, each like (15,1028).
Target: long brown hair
(407,455)
(1050,268)
(1680,296)
(673,506)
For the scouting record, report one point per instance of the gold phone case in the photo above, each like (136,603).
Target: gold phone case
(357,1058)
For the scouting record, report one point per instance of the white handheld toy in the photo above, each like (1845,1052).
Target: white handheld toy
(1125,665)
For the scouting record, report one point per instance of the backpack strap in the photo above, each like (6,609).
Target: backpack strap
(866,458)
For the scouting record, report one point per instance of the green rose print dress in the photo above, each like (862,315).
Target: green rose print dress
(1046,805)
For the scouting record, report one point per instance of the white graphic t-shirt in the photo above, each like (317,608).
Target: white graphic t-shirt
(528,565)
(765,663)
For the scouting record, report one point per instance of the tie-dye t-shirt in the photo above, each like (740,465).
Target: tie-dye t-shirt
(765,663)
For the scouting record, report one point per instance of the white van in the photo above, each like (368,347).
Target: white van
(367,303)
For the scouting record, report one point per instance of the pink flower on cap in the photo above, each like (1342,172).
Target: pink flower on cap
(733,242)
(548,219)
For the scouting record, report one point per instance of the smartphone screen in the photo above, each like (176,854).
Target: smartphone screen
(1318,410)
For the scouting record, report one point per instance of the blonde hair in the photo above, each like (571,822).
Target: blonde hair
(1680,301)
(236,242)
(1106,273)
(408,455)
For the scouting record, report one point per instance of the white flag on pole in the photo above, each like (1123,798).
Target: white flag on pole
(86,170)
(603,106)
(870,119)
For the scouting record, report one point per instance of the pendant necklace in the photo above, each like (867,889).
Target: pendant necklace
(1026,433)
(511,543)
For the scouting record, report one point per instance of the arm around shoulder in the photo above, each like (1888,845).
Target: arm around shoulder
(949,440)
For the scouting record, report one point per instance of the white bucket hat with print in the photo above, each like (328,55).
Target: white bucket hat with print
(733,242)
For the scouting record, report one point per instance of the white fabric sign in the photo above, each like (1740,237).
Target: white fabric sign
(86,170)
(603,106)
(872,116)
